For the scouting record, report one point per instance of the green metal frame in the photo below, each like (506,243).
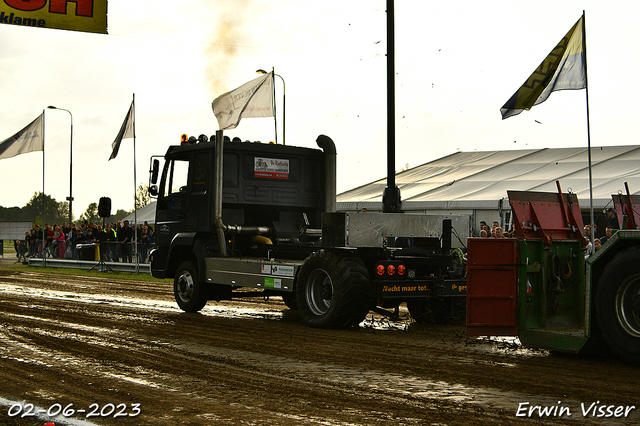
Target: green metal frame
(555,313)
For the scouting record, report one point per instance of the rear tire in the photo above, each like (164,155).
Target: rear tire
(189,292)
(333,290)
(618,304)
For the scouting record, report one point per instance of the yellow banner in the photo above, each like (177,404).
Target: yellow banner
(74,15)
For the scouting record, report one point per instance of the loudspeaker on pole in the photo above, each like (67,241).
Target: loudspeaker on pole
(104,207)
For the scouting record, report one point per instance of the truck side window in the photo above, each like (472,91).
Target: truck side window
(178,176)
(174,178)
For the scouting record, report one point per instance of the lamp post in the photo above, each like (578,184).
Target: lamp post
(284,94)
(70,197)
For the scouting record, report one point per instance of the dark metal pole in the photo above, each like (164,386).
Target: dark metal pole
(586,85)
(391,202)
(71,173)
(70,197)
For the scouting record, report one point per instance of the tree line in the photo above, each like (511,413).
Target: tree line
(58,211)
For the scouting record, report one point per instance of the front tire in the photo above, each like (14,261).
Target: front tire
(333,290)
(290,301)
(189,292)
(618,304)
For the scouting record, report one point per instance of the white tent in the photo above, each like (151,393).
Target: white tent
(146,213)
(480,179)
(475,184)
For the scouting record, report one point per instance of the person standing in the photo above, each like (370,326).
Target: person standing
(30,237)
(612,219)
(144,242)
(587,235)
(115,246)
(125,236)
(73,239)
(109,241)
(37,240)
(48,240)
(61,238)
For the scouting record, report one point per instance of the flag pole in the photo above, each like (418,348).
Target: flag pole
(586,81)
(273,89)
(44,235)
(135,192)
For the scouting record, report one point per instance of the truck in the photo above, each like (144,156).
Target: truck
(547,288)
(242,219)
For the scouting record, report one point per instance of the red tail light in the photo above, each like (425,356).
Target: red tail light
(391,270)
(401,269)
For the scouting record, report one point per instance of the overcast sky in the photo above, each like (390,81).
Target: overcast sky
(457,63)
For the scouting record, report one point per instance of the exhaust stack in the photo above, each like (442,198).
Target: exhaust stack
(330,172)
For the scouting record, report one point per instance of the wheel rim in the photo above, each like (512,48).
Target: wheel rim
(185,286)
(319,292)
(628,305)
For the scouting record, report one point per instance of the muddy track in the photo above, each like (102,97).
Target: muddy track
(83,341)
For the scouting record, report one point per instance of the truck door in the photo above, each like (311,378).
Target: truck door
(184,196)
(199,193)
(172,197)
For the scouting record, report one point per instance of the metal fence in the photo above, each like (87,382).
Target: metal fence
(107,251)
(144,268)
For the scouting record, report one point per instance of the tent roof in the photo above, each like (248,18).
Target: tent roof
(480,179)
(146,213)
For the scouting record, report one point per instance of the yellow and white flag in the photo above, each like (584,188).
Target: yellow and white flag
(252,99)
(29,139)
(564,69)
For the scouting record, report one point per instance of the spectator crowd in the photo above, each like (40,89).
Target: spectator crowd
(495,231)
(116,242)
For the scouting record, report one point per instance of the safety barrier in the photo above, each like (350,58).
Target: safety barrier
(142,268)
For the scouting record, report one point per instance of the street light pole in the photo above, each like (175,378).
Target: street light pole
(284,100)
(70,197)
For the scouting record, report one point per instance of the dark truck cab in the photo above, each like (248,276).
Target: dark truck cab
(235,216)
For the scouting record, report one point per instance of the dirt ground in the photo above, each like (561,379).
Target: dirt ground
(111,351)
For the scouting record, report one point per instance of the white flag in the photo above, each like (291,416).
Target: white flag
(126,131)
(29,139)
(252,99)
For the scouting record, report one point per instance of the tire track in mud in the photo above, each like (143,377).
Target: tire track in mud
(87,340)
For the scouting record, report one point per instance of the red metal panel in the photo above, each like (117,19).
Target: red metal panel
(546,216)
(627,209)
(492,287)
